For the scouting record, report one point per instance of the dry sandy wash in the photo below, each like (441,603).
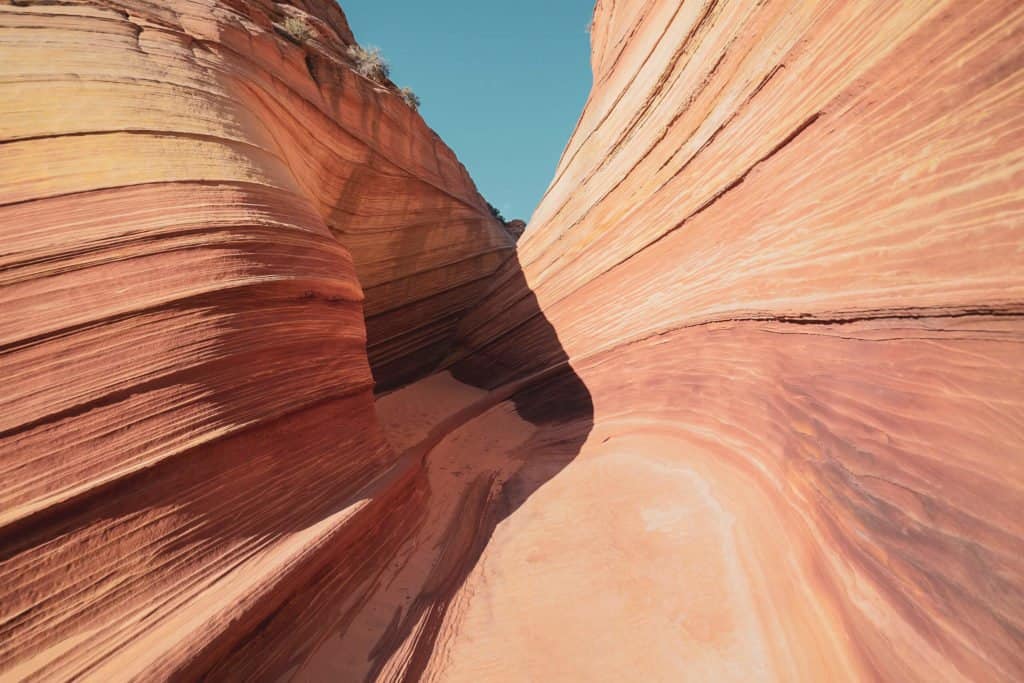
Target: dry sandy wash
(282,401)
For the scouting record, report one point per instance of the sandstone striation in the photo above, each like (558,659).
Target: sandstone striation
(746,403)
(197,212)
(782,252)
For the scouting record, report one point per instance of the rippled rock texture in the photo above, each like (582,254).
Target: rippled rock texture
(745,405)
(196,212)
(782,250)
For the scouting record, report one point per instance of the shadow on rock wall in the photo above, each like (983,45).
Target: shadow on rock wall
(479,475)
(373,600)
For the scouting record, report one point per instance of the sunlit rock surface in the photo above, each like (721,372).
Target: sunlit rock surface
(745,405)
(782,250)
(196,212)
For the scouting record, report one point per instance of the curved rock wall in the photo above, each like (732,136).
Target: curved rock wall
(187,197)
(782,251)
(745,405)
(212,97)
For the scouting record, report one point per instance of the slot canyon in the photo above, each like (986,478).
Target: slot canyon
(283,400)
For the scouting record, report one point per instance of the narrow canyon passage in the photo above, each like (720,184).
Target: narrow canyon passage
(384,599)
(283,399)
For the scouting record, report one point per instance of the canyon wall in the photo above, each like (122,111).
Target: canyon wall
(196,211)
(746,404)
(782,250)
(141,104)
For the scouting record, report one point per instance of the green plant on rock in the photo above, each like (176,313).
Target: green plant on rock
(495,212)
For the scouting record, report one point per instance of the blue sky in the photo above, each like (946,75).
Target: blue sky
(501,82)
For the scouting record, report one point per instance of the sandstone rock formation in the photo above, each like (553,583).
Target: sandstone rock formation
(186,199)
(745,404)
(783,252)
(516,228)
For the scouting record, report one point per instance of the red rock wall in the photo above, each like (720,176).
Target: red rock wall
(784,239)
(747,402)
(210,94)
(187,198)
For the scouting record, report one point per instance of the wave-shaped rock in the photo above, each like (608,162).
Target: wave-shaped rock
(745,404)
(187,196)
(781,250)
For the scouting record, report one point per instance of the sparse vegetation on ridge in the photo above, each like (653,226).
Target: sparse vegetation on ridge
(410,97)
(369,62)
(297,29)
(495,212)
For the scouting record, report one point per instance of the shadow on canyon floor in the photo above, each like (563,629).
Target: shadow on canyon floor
(373,600)
(484,467)
(234,480)
(335,558)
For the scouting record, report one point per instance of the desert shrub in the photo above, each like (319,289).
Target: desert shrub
(369,62)
(411,98)
(297,29)
(495,212)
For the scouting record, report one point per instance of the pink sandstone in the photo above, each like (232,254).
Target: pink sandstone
(282,400)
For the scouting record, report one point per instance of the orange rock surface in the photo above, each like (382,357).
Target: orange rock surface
(746,404)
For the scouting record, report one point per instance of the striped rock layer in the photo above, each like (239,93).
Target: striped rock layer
(210,233)
(783,252)
(746,404)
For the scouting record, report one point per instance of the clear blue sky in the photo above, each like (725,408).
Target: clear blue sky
(501,82)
